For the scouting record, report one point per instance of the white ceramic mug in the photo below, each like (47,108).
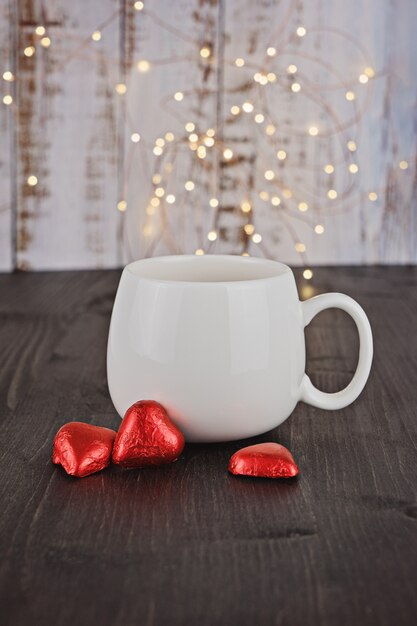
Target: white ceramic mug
(219,342)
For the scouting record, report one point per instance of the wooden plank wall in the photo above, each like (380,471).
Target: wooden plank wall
(71,126)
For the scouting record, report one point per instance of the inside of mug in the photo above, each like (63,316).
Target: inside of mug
(208,268)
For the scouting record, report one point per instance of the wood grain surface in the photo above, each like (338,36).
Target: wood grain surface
(190,544)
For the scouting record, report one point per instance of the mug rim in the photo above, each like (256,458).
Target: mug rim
(208,258)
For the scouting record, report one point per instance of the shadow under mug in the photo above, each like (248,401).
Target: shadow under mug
(219,341)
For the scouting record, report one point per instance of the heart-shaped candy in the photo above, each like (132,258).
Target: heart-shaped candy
(83,449)
(147,437)
(268,460)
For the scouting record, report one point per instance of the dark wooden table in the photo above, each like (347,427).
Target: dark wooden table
(190,544)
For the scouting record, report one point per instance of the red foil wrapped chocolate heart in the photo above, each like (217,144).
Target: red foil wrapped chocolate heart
(147,437)
(268,460)
(83,449)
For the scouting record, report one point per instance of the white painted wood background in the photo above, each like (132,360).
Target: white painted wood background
(69,127)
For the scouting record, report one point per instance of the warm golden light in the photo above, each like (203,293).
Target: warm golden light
(351,145)
(227,154)
(169,136)
(209,142)
(332,194)
(121,89)
(199,252)
(45,42)
(249,229)
(319,229)
(159,192)
(247,107)
(205,52)
(155,202)
(29,51)
(264,195)
(138,5)
(235,110)
(147,230)
(353,168)
(214,202)
(150,210)
(270,129)
(201,152)
(156,179)
(295,87)
(210,132)
(193,137)
(96,36)
(363,79)
(178,96)
(303,207)
(189,127)
(40,30)
(143,66)
(160,142)
(245,206)
(7,99)
(275,200)
(9,76)
(313,131)
(349,95)
(329,169)
(122,205)
(373,196)
(308,274)
(135,137)
(269,175)
(281,155)
(245,254)
(369,72)
(157,151)
(300,247)
(256,238)
(170,198)
(292,69)
(32,180)
(287,193)
(403,165)
(271,77)
(271,51)
(239,62)
(212,235)
(301,31)
(189,185)
(259,118)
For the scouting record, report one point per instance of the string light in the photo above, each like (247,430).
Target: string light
(239,62)
(292,69)
(281,154)
(227,154)
(121,89)
(256,238)
(205,52)
(245,206)
(7,99)
(363,78)
(193,137)
(169,136)
(138,6)
(308,274)
(332,194)
(353,168)
(193,146)
(32,181)
(295,87)
(259,118)
(170,198)
(264,195)
(157,151)
(403,165)
(209,142)
(373,196)
(96,36)
(8,76)
(122,205)
(29,51)
(303,207)
(159,192)
(189,127)
(369,71)
(269,175)
(178,96)
(271,76)
(301,31)
(349,95)
(235,110)
(147,230)
(135,137)
(150,210)
(319,229)
(212,235)
(213,202)
(189,185)
(40,30)
(313,131)
(160,142)
(199,252)
(210,132)
(351,145)
(275,200)
(270,130)
(143,66)
(201,152)
(329,169)
(300,247)
(155,202)
(45,42)
(247,107)
(245,254)
(249,229)
(271,51)
(156,179)
(287,193)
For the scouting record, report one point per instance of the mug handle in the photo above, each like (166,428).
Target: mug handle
(340,399)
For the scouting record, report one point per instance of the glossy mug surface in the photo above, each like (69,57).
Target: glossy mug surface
(219,342)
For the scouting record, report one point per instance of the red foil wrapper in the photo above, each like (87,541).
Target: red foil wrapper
(83,449)
(267,460)
(147,437)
